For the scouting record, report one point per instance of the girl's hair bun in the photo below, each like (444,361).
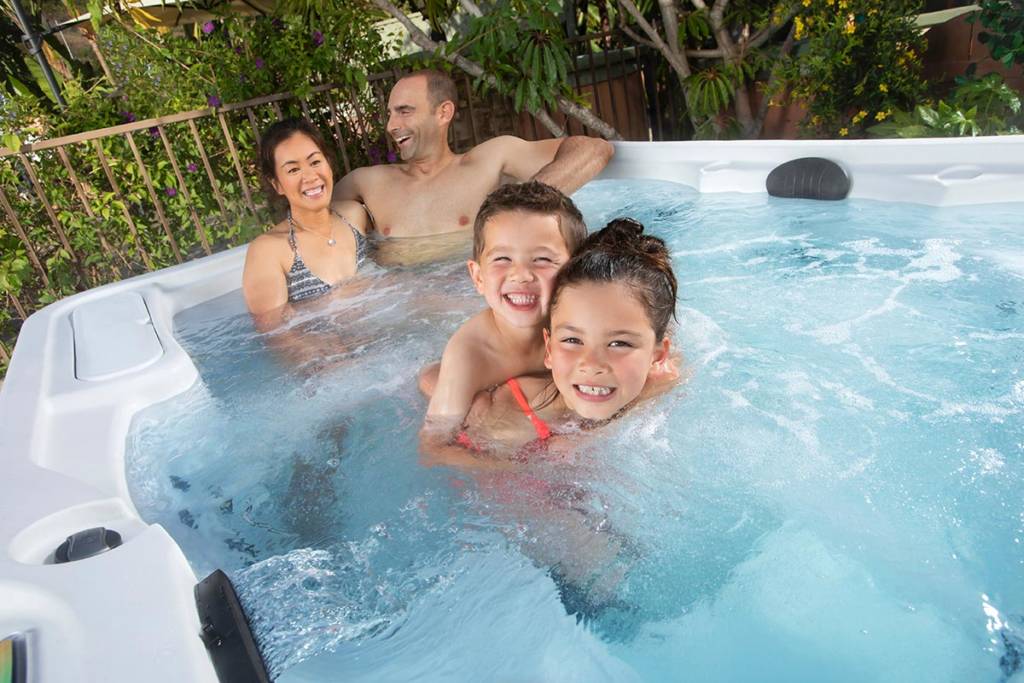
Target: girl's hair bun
(621,252)
(627,235)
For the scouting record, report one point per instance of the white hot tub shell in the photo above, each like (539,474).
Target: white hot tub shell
(85,365)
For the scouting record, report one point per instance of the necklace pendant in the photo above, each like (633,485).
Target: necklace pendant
(331,242)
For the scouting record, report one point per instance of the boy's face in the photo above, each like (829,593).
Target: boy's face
(521,255)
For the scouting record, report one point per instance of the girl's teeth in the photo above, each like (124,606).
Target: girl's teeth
(594,391)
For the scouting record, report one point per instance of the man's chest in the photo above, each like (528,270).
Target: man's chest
(447,203)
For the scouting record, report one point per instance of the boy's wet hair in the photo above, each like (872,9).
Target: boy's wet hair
(274,136)
(621,252)
(440,87)
(533,197)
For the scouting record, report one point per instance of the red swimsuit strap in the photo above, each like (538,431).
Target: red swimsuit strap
(541,427)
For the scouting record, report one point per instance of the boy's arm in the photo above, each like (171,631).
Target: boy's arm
(458,379)
(438,447)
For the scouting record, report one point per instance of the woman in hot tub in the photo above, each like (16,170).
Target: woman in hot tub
(317,246)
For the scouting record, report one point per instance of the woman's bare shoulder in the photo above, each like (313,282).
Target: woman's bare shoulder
(273,245)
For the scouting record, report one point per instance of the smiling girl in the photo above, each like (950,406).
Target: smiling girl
(317,246)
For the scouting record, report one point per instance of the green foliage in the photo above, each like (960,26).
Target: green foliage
(711,89)
(1004,29)
(858,61)
(530,30)
(156,73)
(984,106)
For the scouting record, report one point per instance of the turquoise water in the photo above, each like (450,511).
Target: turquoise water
(833,494)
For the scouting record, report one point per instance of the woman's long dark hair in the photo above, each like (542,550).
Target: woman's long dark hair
(274,136)
(621,252)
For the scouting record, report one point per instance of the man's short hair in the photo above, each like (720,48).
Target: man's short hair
(534,197)
(440,86)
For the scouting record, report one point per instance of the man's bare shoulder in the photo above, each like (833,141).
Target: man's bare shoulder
(500,145)
(371,173)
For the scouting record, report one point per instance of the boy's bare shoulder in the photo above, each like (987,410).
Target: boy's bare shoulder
(473,340)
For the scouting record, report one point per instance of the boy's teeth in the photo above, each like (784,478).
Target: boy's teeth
(521,299)
(594,391)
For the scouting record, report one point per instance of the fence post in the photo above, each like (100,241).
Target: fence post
(80,191)
(61,235)
(152,195)
(29,249)
(238,164)
(124,204)
(184,191)
(209,169)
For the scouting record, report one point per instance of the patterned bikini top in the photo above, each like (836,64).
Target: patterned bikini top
(302,283)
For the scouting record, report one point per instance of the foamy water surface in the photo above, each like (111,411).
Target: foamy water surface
(835,493)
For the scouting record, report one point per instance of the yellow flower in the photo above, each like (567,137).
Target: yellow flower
(798,28)
(880,116)
(882,87)
(807,3)
(859,116)
(844,132)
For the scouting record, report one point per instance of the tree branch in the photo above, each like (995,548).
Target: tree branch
(762,36)
(581,114)
(471,8)
(762,109)
(636,38)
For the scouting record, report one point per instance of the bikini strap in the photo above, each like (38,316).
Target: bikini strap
(541,427)
(291,235)
(346,222)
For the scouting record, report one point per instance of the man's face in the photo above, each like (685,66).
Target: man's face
(414,125)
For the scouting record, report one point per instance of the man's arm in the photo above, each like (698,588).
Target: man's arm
(564,163)
(578,159)
(350,187)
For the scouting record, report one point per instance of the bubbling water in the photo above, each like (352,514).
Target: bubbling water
(833,493)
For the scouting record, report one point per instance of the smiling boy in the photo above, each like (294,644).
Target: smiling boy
(522,235)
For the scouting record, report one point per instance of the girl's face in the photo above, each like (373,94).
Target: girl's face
(601,348)
(302,174)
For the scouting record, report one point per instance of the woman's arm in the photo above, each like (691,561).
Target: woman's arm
(263,281)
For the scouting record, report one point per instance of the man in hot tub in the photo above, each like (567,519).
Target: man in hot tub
(435,192)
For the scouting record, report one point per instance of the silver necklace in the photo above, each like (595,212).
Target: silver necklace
(294,223)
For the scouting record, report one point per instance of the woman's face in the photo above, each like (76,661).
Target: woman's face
(302,174)
(601,348)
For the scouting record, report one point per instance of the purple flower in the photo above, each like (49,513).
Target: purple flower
(238,49)
(318,38)
(392,157)
(192,168)
(213,101)
(171,191)
(154,131)
(258,63)
(277,23)
(208,27)
(128,116)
